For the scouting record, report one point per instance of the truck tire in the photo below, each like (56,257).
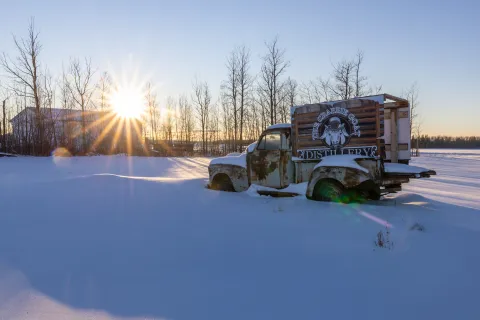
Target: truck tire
(356,196)
(222,182)
(375,193)
(328,190)
(367,190)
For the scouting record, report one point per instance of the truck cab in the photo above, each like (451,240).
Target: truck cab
(269,162)
(324,147)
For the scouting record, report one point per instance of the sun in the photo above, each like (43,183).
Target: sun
(128,102)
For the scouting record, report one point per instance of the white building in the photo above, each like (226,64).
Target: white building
(105,132)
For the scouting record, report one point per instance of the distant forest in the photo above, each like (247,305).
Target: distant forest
(427,141)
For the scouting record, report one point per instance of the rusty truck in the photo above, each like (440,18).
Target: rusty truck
(348,150)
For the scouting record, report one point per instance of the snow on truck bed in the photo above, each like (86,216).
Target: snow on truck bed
(344,160)
(403,168)
(136,238)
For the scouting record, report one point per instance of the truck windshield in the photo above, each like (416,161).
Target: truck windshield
(271,141)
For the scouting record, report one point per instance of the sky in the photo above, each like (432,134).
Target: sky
(169,43)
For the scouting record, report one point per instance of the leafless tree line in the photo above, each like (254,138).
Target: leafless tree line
(30,86)
(248,100)
(345,81)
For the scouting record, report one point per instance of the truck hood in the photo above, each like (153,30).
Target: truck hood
(240,160)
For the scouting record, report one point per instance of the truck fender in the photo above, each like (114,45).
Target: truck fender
(237,174)
(348,177)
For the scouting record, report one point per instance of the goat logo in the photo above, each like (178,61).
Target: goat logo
(335,127)
(334,133)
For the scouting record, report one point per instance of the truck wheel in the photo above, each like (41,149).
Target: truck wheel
(222,182)
(375,193)
(328,190)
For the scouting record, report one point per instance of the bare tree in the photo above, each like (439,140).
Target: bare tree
(270,85)
(214,129)
(360,81)
(67,104)
(153,112)
(291,91)
(306,93)
(412,96)
(104,87)
(227,123)
(3,124)
(343,76)
(244,85)
(168,119)
(287,99)
(25,72)
(81,90)
(315,91)
(262,104)
(48,100)
(201,100)
(186,119)
(253,119)
(230,90)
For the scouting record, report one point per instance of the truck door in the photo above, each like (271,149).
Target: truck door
(267,161)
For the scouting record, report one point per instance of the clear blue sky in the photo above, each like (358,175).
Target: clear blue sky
(433,43)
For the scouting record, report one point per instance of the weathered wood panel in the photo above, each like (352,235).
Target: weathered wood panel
(352,123)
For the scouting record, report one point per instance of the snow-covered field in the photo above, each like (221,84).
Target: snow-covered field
(135,238)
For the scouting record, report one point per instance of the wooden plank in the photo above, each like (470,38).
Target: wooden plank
(402,114)
(370,130)
(312,120)
(356,104)
(315,114)
(317,143)
(387,115)
(296,135)
(394,98)
(367,120)
(393,135)
(401,146)
(395,105)
(315,110)
(362,140)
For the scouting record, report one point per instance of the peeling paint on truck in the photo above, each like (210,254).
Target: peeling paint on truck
(238,175)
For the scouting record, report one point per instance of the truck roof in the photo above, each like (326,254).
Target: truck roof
(280,126)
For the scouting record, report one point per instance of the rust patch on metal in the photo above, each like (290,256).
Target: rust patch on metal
(262,164)
(284,162)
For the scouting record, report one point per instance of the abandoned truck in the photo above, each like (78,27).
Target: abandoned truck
(345,150)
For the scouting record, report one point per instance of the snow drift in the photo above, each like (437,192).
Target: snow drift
(126,237)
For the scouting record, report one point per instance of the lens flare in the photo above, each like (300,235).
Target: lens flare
(128,102)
